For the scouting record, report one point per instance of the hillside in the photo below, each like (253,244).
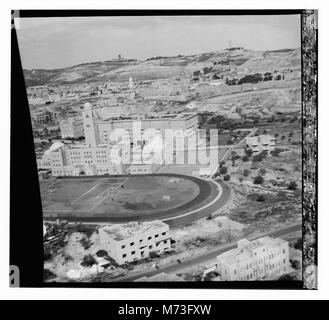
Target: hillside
(234,62)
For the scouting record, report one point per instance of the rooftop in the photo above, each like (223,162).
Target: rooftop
(125,231)
(245,248)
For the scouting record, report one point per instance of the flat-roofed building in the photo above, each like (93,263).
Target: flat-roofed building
(71,127)
(254,260)
(261,143)
(134,241)
(75,160)
(98,129)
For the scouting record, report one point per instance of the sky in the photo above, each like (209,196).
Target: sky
(48,43)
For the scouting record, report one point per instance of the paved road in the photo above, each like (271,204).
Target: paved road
(209,255)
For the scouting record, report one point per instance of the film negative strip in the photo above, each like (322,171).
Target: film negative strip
(310,146)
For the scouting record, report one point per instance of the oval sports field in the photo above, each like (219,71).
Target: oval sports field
(173,198)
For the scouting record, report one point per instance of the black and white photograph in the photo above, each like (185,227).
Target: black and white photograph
(174,148)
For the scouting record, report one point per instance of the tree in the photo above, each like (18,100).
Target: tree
(227,177)
(223,170)
(295,264)
(248,152)
(246,172)
(262,172)
(234,157)
(260,198)
(292,185)
(259,180)
(245,158)
(88,261)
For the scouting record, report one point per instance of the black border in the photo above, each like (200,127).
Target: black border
(26,245)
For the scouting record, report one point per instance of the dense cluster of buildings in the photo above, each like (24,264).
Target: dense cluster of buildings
(134,241)
(101,155)
(254,260)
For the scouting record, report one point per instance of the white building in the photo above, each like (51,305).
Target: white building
(71,127)
(98,129)
(140,153)
(261,143)
(134,241)
(75,160)
(254,260)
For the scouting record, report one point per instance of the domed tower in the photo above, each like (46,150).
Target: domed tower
(89,125)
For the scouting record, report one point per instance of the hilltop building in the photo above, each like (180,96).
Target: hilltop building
(261,143)
(253,260)
(134,241)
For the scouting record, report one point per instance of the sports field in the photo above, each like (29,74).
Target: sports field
(122,198)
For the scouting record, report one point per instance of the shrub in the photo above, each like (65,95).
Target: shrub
(259,180)
(223,170)
(246,172)
(227,177)
(248,152)
(88,261)
(260,198)
(299,244)
(101,253)
(292,185)
(262,172)
(295,264)
(245,158)
(85,243)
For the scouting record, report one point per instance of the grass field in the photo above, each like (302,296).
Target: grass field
(129,196)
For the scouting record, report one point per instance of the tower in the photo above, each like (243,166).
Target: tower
(89,125)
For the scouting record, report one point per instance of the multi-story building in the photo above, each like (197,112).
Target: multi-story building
(261,143)
(71,127)
(130,153)
(42,116)
(75,160)
(254,260)
(134,241)
(98,129)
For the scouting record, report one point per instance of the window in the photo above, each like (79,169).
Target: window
(150,247)
(165,241)
(149,238)
(133,252)
(124,255)
(123,246)
(141,240)
(284,251)
(132,243)
(163,233)
(156,236)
